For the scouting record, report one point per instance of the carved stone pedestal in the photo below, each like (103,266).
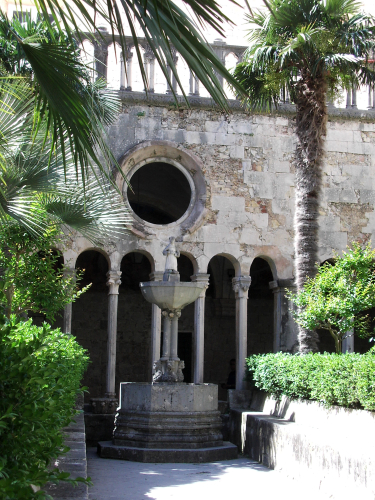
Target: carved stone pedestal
(168,423)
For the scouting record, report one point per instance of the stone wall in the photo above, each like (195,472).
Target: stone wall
(241,167)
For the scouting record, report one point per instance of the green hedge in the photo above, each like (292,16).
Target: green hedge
(333,379)
(40,374)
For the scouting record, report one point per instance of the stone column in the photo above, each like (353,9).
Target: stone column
(113,283)
(155,327)
(122,72)
(174,335)
(241,285)
(175,59)
(67,317)
(354,98)
(166,336)
(285,328)
(191,83)
(169,71)
(129,67)
(348,342)
(198,338)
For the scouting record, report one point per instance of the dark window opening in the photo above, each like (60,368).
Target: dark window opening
(95,267)
(161,193)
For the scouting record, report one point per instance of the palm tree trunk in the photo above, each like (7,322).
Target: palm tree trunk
(310,130)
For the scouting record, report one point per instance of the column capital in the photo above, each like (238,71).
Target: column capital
(113,281)
(201,278)
(156,276)
(241,285)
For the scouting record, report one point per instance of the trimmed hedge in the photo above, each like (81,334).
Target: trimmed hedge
(333,379)
(40,374)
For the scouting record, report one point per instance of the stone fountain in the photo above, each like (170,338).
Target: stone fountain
(168,420)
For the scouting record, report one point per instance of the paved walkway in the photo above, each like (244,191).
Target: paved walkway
(241,478)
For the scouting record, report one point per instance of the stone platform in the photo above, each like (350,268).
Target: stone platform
(168,423)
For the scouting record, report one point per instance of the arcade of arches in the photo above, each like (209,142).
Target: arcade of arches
(134,319)
(134,335)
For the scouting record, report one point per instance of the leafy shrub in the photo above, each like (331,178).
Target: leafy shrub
(40,373)
(338,297)
(333,379)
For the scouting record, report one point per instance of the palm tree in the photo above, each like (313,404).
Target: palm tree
(39,183)
(311,48)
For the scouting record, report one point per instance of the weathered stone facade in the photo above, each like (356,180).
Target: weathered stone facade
(241,175)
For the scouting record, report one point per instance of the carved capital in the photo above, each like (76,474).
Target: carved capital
(113,282)
(174,313)
(241,285)
(148,54)
(201,278)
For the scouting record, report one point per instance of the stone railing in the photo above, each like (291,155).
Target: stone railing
(122,72)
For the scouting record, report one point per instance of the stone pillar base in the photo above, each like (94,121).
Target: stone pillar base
(168,423)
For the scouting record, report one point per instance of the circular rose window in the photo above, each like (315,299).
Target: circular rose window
(159,192)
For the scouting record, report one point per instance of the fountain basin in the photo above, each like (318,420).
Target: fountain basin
(171,294)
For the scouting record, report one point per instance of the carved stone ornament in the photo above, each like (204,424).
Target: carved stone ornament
(170,371)
(104,405)
(172,254)
(113,282)
(241,284)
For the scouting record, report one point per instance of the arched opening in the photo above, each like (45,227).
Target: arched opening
(160,193)
(89,320)
(220,323)
(133,321)
(231,60)
(260,309)
(114,66)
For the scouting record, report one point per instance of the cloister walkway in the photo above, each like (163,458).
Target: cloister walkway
(226,480)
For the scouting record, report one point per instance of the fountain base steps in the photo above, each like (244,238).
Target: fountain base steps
(164,423)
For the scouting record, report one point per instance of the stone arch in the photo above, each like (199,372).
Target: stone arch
(270,261)
(192,260)
(233,260)
(149,257)
(93,249)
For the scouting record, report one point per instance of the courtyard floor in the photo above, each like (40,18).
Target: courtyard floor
(241,478)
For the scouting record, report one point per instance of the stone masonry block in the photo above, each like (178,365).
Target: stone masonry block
(225,139)
(336,241)
(250,236)
(367,196)
(338,146)
(348,196)
(216,126)
(240,127)
(228,203)
(340,135)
